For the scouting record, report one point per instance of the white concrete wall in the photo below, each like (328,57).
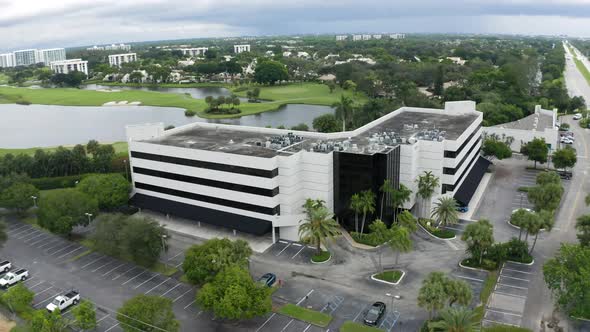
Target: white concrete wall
(521,137)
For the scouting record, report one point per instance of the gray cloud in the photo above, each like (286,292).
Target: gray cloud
(38,23)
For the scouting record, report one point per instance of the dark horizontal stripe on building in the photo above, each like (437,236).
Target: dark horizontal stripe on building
(451,187)
(207,165)
(454,154)
(208,182)
(452,171)
(210,199)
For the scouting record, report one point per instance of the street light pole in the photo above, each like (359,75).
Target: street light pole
(34,201)
(393,297)
(89,215)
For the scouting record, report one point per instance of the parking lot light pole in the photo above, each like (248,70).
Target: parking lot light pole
(393,297)
(89,215)
(34,201)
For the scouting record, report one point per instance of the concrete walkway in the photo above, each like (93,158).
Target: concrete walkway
(203,231)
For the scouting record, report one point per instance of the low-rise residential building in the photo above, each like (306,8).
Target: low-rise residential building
(67,66)
(194,52)
(341,37)
(397,36)
(255,180)
(367,37)
(377,36)
(116,60)
(112,47)
(357,37)
(241,48)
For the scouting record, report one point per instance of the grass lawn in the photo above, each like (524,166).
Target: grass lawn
(165,85)
(389,276)
(3,79)
(505,328)
(350,326)
(486,291)
(437,232)
(120,147)
(302,93)
(311,316)
(322,257)
(583,69)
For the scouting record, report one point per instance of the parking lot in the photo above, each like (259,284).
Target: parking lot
(100,273)
(293,251)
(507,302)
(475,279)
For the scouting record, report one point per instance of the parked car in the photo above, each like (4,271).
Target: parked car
(63,302)
(566,134)
(5,266)
(566,140)
(462,209)
(268,279)
(577,116)
(565,175)
(374,314)
(12,278)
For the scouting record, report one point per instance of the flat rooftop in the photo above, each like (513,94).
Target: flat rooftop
(537,121)
(403,127)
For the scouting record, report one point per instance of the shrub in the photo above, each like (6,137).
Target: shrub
(322,257)
(438,232)
(365,239)
(22,102)
(190,113)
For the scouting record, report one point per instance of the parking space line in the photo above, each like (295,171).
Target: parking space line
(305,297)
(71,252)
(144,271)
(31,233)
(287,246)
(92,262)
(136,287)
(186,306)
(300,250)
(307,328)
(283,242)
(17,234)
(49,298)
(103,265)
(37,284)
(168,291)
(360,312)
(112,327)
(286,326)
(468,278)
(504,313)
(146,293)
(34,237)
(28,279)
(33,244)
(46,250)
(179,264)
(509,269)
(512,286)
(103,318)
(67,247)
(113,269)
(15,229)
(183,294)
(171,258)
(45,290)
(117,277)
(269,318)
(507,294)
(505,276)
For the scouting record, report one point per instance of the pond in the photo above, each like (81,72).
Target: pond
(41,125)
(198,93)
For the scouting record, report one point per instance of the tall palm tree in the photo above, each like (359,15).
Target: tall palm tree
(399,241)
(367,205)
(343,110)
(445,211)
(427,184)
(318,225)
(479,237)
(399,197)
(544,221)
(386,188)
(455,320)
(356,205)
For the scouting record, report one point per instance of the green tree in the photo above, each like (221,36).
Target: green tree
(356,205)
(521,218)
(568,277)
(456,320)
(147,313)
(61,210)
(385,189)
(445,211)
(11,178)
(19,196)
(407,220)
(439,81)
(234,295)
(144,240)
(536,150)
(331,85)
(546,197)
(270,72)
(367,205)
(496,148)
(399,241)
(458,291)
(428,183)
(343,110)
(544,221)
(92,146)
(318,225)
(45,321)
(399,196)
(547,177)
(326,123)
(432,295)
(85,315)
(564,158)
(18,298)
(107,236)
(583,228)
(110,190)
(479,237)
(202,262)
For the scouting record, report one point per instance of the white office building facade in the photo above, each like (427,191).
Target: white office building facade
(194,52)
(7,60)
(116,60)
(255,180)
(51,55)
(71,65)
(241,48)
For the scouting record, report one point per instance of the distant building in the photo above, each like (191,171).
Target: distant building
(113,47)
(341,37)
(367,37)
(377,36)
(303,55)
(67,66)
(194,52)
(51,55)
(269,54)
(397,36)
(7,60)
(25,57)
(357,37)
(241,48)
(456,60)
(119,59)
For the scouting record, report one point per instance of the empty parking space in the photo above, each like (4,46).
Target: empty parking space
(293,251)
(474,278)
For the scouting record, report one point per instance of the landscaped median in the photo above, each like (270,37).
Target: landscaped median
(307,315)
(443,234)
(392,277)
(350,326)
(321,258)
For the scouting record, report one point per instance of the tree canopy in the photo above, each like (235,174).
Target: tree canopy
(110,190)
(61,210)
(147,313)
(270,72)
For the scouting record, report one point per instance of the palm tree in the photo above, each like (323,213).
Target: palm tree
(521,218)
(583,228)
(445,211)
(458,292)
(343,110)
(455,320)
(319,224)
(367,205)
(479,237)
(3,235)
(399,197)
(407,220)
(399,241)
(432,295)
(545,221)
(386,188)
(427,184)
(356,205)
(587,199)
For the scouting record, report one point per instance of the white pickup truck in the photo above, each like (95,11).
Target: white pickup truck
(5,266)
(12,278)
(62,302)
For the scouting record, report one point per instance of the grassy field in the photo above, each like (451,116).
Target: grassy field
(3,79)
(350,326)
(583,69)
(120,147)
(165,85)
(311,316)
(303,93)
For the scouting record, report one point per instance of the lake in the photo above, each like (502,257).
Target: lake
(198,93)
(41,125)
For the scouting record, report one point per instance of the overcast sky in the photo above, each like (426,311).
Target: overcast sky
(65,23)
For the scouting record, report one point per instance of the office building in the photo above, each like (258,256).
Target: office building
(112,47)
(397,36)
(7,60)
(25,57)
(255,180)
(341,37)
(50,55)
(194,52)
(67,66)
(116,60)
(241,48)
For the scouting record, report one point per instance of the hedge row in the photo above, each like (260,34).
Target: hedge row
(59,182)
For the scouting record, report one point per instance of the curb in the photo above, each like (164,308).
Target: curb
(472,268)
(357,245)
(324,262)
(387,282)
(436,237)
(513,225)
(519,263)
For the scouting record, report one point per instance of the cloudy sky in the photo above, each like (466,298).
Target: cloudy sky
(50,23)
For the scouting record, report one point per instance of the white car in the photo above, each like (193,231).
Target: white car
(12,278)
(5,266)
(566,140)
(577,116)
(62,302)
